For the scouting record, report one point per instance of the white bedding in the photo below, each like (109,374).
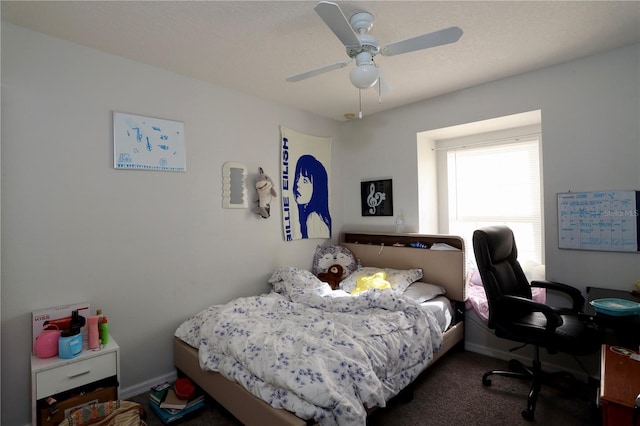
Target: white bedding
(443,311)
(318,353)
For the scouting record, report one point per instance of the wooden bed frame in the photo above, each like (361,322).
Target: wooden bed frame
(441,267)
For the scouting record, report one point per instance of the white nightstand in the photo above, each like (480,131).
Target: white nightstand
(51,376)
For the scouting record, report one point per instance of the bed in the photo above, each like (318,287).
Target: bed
(442,265)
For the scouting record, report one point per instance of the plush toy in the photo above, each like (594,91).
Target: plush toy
(264,186)
(377,280)
(333,276)
(330,255)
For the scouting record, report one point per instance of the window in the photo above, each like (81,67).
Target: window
(490,184)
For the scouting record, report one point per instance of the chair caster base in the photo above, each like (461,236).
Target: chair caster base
(515,365)
(486,381)
(528,415)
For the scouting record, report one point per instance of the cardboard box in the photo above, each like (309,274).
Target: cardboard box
(60,316)
(46,418)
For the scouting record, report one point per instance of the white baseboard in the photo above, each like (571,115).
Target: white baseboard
(143,387)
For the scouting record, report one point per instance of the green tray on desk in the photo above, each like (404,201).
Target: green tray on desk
(616,307)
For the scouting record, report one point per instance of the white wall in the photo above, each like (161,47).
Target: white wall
(152,248)
(149,248)
(590,142)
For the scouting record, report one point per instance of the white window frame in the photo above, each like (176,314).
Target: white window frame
(489,140)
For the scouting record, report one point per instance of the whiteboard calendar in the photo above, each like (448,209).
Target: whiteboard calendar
(605,221)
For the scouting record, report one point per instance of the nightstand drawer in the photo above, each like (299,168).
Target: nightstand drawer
(79,373)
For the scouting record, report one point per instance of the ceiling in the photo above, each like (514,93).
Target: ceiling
(253,46)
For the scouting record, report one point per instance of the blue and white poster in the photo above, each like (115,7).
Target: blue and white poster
(305,185)
(145,143)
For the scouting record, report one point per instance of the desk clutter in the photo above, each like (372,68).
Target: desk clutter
(616,307)
(176,401)
(619,307)
(64,331)
(625,352)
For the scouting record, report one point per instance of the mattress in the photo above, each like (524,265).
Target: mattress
(441,308)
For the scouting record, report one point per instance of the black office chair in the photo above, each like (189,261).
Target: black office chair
(515,316)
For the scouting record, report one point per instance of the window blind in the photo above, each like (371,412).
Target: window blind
(498,184)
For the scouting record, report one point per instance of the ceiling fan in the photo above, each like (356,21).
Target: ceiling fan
(363,47)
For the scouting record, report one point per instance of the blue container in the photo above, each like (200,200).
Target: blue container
(70,346)
(616,307)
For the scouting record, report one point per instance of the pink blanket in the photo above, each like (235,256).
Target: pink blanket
(477,298)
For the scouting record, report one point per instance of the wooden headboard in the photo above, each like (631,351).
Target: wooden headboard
(442,267)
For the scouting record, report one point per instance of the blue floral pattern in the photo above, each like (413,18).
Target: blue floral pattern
(321,354)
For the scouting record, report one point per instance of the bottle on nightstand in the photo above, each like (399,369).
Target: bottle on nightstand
(400,223)
(104,331)
(93,333)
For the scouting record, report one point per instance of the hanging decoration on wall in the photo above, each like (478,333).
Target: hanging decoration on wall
(266,191)
(376,198)
(305,172)
(234,189)
(145,143)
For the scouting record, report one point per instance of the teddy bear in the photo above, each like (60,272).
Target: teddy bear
(333,276)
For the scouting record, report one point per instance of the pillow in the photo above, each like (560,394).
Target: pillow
(399,279)
(330,255)
(421,292)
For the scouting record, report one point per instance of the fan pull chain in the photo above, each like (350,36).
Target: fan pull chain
(360,101)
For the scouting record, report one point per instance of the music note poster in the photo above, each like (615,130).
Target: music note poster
(604,221)
(377,197)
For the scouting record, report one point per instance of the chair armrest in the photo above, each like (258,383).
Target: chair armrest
(576,295)
(523,304)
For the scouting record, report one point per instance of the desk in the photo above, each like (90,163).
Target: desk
(619,386)
(626,329)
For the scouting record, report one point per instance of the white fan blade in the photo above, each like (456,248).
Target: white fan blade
(437,38)
(337,22)
(317,71)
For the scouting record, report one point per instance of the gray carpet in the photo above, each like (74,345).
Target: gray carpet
(451,393)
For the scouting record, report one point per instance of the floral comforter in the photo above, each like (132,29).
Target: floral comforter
(318,353)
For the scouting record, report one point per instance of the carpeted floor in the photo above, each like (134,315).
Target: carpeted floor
(451,393)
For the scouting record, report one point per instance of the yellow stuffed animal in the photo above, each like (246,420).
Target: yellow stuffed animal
(377,280)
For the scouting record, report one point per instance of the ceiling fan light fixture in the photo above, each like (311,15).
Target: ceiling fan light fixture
(364,76)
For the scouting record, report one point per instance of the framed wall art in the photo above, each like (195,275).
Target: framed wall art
(146,143)
(377,198)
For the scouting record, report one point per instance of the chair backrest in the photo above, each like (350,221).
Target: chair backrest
(497,260)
